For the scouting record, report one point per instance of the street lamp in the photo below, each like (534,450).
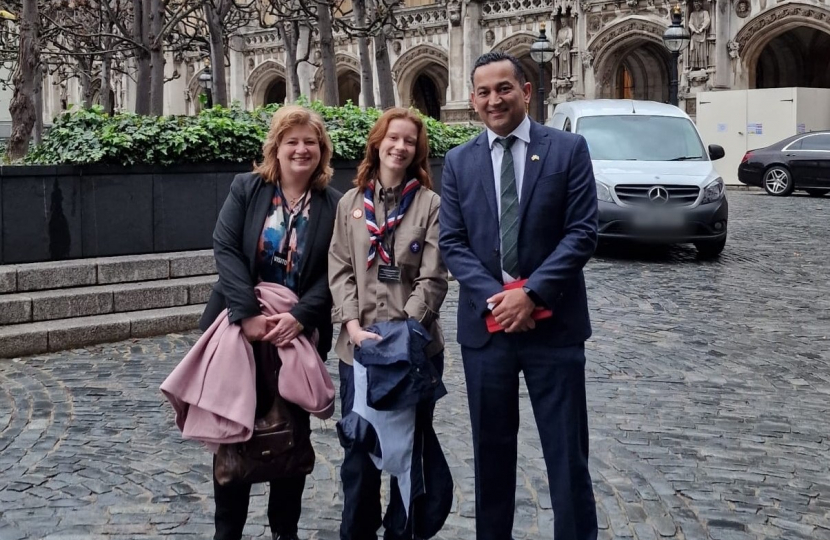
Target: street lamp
(676,38)
(541,53)
(206,82)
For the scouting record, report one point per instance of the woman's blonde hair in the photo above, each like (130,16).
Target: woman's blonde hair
(286,118)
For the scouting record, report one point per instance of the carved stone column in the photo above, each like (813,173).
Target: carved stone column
(723,63)
(465,48)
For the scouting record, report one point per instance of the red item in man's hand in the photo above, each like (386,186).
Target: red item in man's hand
(538,313)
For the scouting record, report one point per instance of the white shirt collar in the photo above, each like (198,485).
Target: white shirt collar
(522,132)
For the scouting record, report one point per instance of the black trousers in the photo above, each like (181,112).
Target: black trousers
(361,479)
(286,494)
(284,507)
(555,379)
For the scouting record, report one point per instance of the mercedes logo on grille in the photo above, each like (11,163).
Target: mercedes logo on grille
(658,195)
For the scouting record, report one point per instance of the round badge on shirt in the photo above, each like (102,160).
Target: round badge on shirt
(357,214)
(415,247)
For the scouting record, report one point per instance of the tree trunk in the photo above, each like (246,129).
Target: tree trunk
(22,107)
(331,95)
(367,87)
(106,86)
(382,63)
(290,34)
(217,54)
(142,59)
(156,19)
(86,81)
(38,129)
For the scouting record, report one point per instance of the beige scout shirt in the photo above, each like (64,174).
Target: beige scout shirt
(357,292)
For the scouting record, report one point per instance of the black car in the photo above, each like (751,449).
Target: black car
(798,162)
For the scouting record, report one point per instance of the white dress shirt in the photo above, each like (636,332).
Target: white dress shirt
(519,151)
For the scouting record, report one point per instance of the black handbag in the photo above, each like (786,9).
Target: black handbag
(280,446)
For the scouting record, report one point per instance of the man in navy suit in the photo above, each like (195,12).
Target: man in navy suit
(519,202)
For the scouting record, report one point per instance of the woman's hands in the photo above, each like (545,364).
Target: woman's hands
(254,328)
(284,329)
(357,334)
(278,329)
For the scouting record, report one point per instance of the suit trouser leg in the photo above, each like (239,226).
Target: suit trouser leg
(492,375)
(555,381)
(359,476)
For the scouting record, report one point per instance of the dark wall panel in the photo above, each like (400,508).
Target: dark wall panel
(184,211)
(117,212)
(41,218)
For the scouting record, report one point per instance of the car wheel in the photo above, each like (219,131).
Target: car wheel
(778,181)
(817,192)
(710,249)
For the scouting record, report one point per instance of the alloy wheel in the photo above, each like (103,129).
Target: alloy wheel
(777,181)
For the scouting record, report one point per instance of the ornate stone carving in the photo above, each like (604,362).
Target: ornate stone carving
(500,9)
(587,59)
(779,15)
(417,53)
(698,78)
(564,41)
(454,12)
(421,18)
(515,42)
(489,37)
(742,8)
(563,86)
(396,47)
(734,49)
(699,22)
(632,3)
(594,24)
(613,34)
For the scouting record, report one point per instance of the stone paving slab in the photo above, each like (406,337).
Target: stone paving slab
(708,387)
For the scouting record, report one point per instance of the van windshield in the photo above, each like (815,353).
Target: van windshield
(641,138)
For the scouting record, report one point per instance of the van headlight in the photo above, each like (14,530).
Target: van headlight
(604,192)
(713,192)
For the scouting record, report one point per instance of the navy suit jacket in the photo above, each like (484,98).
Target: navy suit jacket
(557,233)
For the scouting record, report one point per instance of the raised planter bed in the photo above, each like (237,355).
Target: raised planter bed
(73,212)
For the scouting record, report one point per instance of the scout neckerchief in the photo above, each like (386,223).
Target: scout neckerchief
(377,234)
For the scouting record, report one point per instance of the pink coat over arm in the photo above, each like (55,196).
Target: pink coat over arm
(213,389)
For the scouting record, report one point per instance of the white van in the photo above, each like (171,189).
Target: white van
(655,179)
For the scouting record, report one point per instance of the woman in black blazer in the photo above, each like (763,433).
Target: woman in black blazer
(276,225)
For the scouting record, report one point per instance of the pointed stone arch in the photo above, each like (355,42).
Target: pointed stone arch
(348,70)
(635,44)
(773,23)
(261,79)
(423,63)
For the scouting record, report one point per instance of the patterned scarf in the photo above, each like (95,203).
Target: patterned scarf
(377,234)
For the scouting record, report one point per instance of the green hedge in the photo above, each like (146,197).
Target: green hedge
(218,134)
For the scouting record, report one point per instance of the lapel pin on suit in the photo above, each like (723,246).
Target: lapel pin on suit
(534,157)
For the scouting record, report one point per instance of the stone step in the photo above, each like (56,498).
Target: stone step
(40,337)
(56,304)
(104,271)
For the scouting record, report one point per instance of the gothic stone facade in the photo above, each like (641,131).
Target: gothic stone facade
(606,48)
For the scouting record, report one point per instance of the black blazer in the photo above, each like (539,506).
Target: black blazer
(235,242)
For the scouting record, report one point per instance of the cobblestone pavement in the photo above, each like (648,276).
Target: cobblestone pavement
(708,387)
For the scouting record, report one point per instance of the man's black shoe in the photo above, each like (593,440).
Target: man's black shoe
(285,537)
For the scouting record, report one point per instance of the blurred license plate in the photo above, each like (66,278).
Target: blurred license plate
(659,220)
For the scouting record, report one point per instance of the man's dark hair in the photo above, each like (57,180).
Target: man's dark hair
(499,56)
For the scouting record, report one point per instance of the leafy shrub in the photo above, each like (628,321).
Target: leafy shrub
(86,136)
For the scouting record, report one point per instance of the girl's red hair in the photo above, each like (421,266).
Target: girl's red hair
(419,169)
